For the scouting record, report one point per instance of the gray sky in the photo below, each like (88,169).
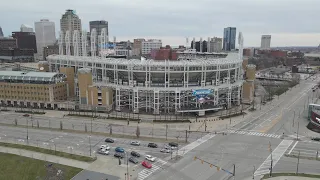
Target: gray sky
(290,22)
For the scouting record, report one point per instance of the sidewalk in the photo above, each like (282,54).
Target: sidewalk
(291,178)
(45,157)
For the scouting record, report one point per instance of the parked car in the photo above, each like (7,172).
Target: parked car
(315,139)
(165,150)
(173,144)
(119,149)
(152,145)
(26,115)
(103,152)
(106,147)
(133,160)
(169,147)
(109,140)
(119,155)
(135,154)
(135,143)
(146,164)
(150,158)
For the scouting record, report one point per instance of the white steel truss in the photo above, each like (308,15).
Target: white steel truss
(84,43)
(61,42)
(68,43)
(76,43)
(93,42)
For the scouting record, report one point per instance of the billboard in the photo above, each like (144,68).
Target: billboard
(202,94)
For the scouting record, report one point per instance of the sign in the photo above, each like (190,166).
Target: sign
(201,94)
(107,45)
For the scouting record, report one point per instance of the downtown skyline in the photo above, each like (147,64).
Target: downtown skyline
(289,24)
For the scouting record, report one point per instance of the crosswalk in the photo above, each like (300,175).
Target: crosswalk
(147,172)
(275,157)
(252,133)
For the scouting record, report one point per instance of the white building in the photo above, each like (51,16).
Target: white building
(45,34)
(265,41)
(26,28)
(147,46)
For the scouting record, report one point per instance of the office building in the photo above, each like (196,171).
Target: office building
(215,44)
(1,32)
(147,46)
(265,41)
(26,28)
(99,25)
(32,89)
(45,34)
(8,42)
(50,50)
(25,40)
(16,55)
(70,21)
(229,38)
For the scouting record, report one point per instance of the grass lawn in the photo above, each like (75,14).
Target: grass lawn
(48,151)
(14,167)
(292,174)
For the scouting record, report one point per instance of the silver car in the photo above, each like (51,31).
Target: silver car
(135,143)
(165,150)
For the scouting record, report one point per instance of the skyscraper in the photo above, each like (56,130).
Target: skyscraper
(1,33)
(99,25)
(229,38)
(26,28)
(45,34)
(265,41)
(70,21)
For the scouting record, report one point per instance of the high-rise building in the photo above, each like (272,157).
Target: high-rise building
(265,41)
(70,22)
(1,33)
(8,43)
(99,25)
(215,44)
(147,46)
(26,40)
(229,38)
(45,34)
(26,28)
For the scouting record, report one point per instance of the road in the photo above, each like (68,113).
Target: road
(248,145)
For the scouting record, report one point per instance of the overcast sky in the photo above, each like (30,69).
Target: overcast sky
(290,22)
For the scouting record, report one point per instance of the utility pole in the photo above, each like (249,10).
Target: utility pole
(298,163)
(271,164)
(234,171)
(166,131)
(90,144)
(298,132)
(27,130)
(254,169)
(186,136)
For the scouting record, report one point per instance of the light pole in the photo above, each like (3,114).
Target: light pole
(254,169)
(90,144)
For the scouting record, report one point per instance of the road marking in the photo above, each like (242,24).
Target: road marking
(147,172)
(184,150)
(254,134)
(293,147)
(276,155)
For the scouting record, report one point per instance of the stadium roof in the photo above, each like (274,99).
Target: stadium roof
(29,76)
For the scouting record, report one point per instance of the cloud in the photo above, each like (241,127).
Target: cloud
(289,21)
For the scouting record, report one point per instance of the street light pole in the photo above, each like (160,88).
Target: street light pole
(298,132)
(254,169)
(27,130)
(90,144)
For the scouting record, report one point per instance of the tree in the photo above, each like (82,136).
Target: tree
(138,132)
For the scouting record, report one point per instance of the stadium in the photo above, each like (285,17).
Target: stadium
(195,83)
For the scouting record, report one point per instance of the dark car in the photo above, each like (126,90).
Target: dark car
(133,160)
(135,154)
(152,145)
(173,144)
(119,155)
(316,139)
(109,140)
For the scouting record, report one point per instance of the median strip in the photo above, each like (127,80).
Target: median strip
(50,152)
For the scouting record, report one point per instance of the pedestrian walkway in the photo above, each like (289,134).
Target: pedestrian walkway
(45,157)
(274,157)
(253,133)
(194,144)
(147,172)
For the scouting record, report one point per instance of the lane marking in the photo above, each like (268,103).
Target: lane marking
(293,147)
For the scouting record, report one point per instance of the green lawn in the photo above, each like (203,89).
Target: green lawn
(48,151)
(14,167)
(292,174)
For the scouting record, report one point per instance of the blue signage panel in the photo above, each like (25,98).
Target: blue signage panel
(201,94)
(107,45)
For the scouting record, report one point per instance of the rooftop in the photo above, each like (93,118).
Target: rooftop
(30,76)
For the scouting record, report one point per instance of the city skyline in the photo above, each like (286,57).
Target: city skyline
(277,18)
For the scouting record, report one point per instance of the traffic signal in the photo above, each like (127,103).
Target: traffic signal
(201,161)
(195,158)
(211,165)
(218,168)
